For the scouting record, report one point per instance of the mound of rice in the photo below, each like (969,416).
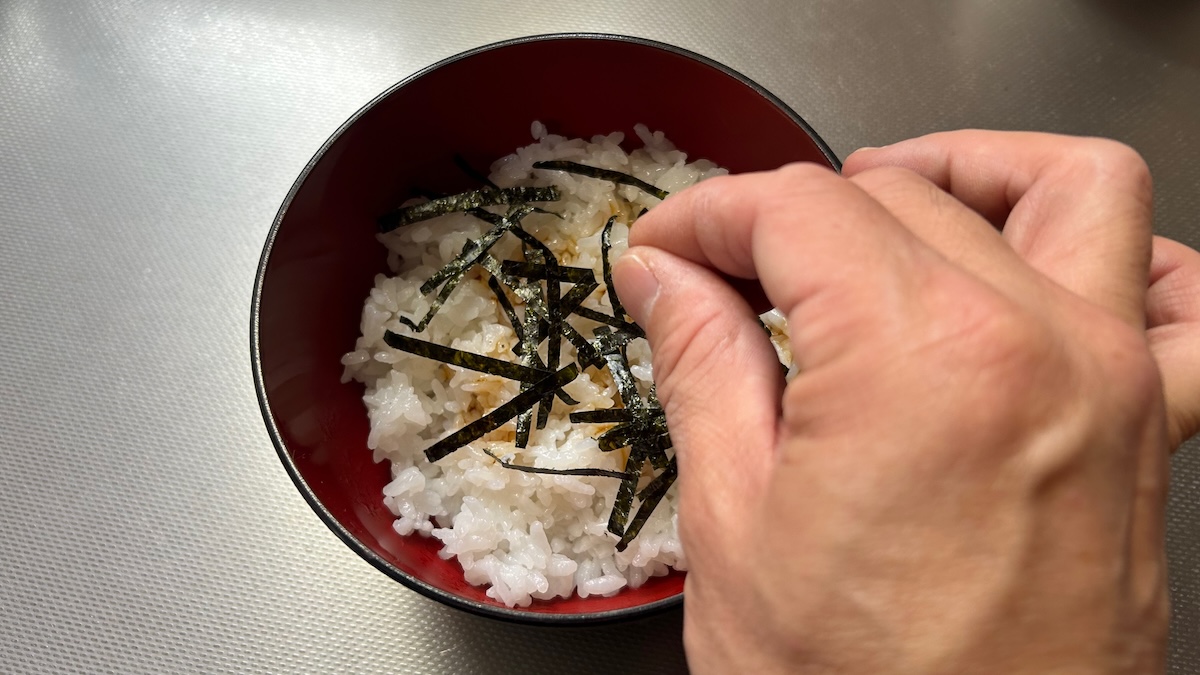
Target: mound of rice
(525,535)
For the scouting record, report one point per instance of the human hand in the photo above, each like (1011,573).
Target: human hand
(969,472)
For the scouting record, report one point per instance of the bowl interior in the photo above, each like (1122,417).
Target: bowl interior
(322,259)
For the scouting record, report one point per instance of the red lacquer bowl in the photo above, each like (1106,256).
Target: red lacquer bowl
(321,255)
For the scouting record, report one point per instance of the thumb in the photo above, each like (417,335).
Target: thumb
(716,375)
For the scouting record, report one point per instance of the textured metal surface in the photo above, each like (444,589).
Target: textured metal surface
(145,522)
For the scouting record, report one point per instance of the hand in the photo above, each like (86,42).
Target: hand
(968,474)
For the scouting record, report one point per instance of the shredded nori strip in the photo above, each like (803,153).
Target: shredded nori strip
(464,359)
(651,495)
(606,341)
(479,177)
(602,416)
(621,435)
(434,306)
(600,317)
(464,166)
(625,493)
(524,424)
(561,273)
(541,254)
(585,354)
(606,268)
(578,293)
(599,473)
(498,417)
(506,306)
(476,249)
(618,367)
(466,201)
(602,174)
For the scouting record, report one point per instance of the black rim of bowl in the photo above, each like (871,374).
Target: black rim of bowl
(478,608)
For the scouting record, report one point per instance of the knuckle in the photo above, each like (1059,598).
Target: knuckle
(898,188)
(1125,360)
(887,178)
(1006,351)
(1114,162)
(800,172)
(721,216)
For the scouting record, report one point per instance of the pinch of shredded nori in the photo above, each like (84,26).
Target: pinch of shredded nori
(495,419)
(602,174)
(466,201)
(600,473)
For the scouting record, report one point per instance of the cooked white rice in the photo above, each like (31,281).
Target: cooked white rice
(525,535)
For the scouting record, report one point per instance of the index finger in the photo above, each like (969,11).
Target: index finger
(817,243)
(1077,209)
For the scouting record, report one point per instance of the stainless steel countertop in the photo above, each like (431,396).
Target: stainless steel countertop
(146,524)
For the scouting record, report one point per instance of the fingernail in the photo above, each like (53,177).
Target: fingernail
(636,286)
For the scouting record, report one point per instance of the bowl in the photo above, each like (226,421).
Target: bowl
(321,255)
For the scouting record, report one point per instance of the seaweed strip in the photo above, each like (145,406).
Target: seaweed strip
(601,416)
(464,359)
(466,201)
(651,495)
(540,254)
(562,273)
(602,174)
(465,167)
(476,249)
(625,493)
(657,451)
(532,295)
(498,417)
(585,282)
(479,177)
(524,423)
(606,268)
(600,317)
(600,473)
(585,354)
(618,367)
(606,341)
(507,307)
(436,305)
(578,293)
(621,435)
